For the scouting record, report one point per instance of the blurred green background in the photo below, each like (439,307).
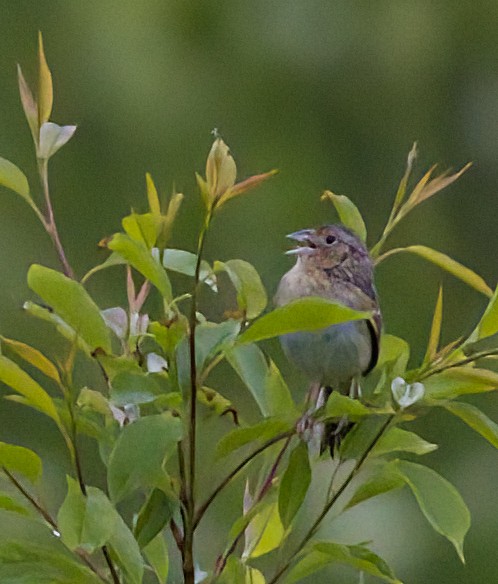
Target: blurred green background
(333,93)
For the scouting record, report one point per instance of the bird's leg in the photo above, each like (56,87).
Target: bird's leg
(305,426)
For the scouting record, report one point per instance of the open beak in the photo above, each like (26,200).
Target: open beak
(305,238)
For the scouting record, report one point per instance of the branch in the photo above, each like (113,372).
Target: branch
(312,530)
(53,524)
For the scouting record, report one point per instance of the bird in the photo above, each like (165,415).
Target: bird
(333,263)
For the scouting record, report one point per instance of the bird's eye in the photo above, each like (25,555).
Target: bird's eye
(330,239)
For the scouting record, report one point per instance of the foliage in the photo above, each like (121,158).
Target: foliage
(154,369)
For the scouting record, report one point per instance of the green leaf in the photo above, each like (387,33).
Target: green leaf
(142,228)
(91,522)
(22,460)
(156,553)
(113,260)
(33,357)
(184,262)
(339,405)
(394,353)
(13,376)
(8,503)
(348,213)
(133,388)
(72,303)
(264,533)
(25,561)
(383,480)
(278,396)
(445,263)
(14,179)
(251,294)
(439,501)
(139,454)
(29,104)
(156,512)
(399,440)
(260,432)
(435,334)
(45,89)
(250,364)
(459,381)
(152,196)
(475,419)
(488,325)
(361,437)
(140,257)
(294,485)
(304,314)
(321,554)
(211,338)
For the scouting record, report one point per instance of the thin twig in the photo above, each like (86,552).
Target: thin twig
(467,360)
(49,222)
(222,560)
(312,530)
(203,508)
(52,523)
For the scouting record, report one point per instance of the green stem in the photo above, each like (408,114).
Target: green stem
(313,529)
(466,361)
(188,555)
(49,220)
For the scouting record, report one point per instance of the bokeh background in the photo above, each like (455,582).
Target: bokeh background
(333,93)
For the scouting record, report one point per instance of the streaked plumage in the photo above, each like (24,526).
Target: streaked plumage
(332,262)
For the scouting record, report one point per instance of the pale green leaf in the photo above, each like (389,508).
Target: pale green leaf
(47,315)
(399,440)
(251,294)
(89,522)
(294,485)
(113,260)
(17,459)
(435,334)
(445,263)
(139,454)
(383,480)
(278,396)
(340,405)
(152,196)
(348,212)
(33,357)
(260,432)
(45,89)
(459,381)
(439,501)
(156,553)
(29,104)
(304,314)
(14,179)
(72,303)
(154,515)
(322,554)
(251,366)
(140,257)
(264,533)
(17,379)
(8,503)
(475,419)
(142,228)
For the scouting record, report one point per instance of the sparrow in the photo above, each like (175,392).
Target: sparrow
(333,263)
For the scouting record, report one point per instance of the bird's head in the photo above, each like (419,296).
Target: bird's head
(328,246)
